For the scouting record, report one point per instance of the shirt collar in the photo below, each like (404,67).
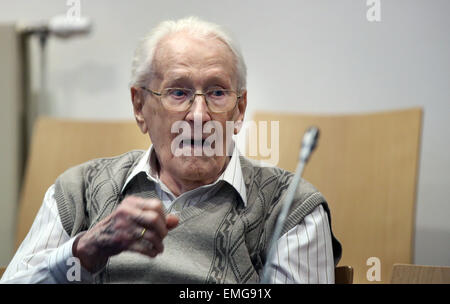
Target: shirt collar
(232,174)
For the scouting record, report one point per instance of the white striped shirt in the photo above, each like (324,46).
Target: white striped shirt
(304,253)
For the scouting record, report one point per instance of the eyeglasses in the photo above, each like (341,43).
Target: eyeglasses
(218,100)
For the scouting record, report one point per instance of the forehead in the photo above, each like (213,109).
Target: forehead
(183,55)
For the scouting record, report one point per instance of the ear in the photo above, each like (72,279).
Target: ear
(241,106)
(138,100)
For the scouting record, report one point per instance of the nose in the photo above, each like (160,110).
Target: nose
(199,110)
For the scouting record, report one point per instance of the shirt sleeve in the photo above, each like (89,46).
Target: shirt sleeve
(304,254)
(45,255)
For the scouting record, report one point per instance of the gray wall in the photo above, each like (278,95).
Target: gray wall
(10,135)
(325,53)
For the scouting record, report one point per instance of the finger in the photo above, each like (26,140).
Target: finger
(172,221)
(144,247)
(146,204)
(151,220)
(153,238)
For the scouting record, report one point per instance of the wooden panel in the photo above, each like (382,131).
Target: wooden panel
(60,144)
(420,274)
(366,166)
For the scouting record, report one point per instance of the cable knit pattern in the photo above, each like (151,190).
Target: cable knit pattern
(217,241)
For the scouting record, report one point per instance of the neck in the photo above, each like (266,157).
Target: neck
(179,186)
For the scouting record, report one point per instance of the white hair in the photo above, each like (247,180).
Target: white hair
(141,69)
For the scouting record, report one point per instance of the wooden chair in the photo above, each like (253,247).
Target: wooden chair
(343,275)
(420,274)
(366,166)
(60,144)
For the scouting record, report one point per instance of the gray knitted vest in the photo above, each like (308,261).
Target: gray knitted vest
(216,241)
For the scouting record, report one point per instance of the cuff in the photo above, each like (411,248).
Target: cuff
(65,268)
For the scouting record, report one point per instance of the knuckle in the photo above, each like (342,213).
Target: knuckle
(150,235)
(121,212)
(151,204)
(152,217)
(155,204)
(129,200)
(138,218)
(154,237)
(120,223)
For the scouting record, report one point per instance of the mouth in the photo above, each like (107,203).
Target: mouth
(190,142)
(198,147)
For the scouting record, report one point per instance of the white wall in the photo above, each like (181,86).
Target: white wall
(325,53)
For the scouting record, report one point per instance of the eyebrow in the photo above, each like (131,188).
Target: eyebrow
(178,79)
(217,80)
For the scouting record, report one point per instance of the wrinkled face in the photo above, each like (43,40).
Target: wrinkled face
(183,61)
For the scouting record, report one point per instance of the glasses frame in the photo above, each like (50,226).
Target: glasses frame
(191,101)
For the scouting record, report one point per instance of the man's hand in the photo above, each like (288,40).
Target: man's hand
(122,230)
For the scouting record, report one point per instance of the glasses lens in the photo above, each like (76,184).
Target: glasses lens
(220,100)
(179,99)
(176,99)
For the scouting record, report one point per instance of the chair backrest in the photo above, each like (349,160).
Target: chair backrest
(366,166)
(343,275)
(420,274)
(60,144)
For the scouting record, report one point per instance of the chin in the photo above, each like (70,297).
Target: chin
(198,168)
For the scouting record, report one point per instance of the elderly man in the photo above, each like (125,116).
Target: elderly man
(173,214)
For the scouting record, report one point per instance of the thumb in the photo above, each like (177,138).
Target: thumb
(171,221)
